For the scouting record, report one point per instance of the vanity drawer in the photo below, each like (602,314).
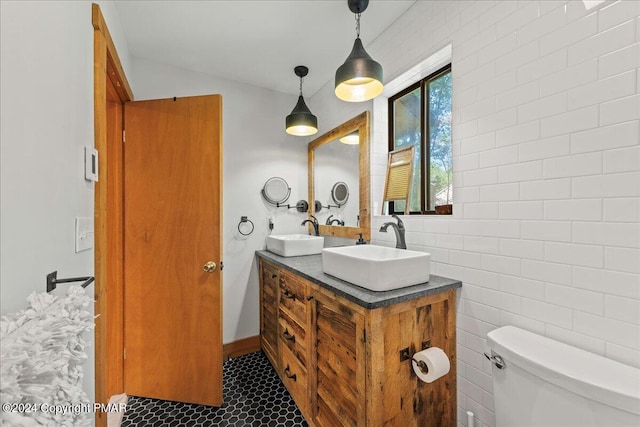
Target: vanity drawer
(294,337)
(294,377)
(293,296)
(269,273)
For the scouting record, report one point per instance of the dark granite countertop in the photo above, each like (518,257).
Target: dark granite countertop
(310,267)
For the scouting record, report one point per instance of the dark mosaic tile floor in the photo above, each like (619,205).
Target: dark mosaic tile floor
(254,396)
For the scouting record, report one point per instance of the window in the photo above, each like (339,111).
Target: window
(420,116)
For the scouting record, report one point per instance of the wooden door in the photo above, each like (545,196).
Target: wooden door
(172,217)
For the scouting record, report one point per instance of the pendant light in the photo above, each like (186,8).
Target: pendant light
(360,77)
(352,138)
(301,122)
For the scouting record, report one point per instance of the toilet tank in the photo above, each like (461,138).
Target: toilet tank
(547,383)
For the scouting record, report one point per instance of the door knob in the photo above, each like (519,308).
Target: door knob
(209,267)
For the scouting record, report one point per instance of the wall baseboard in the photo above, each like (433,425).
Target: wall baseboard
(241,347)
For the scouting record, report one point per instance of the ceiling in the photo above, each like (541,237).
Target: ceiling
(255,42)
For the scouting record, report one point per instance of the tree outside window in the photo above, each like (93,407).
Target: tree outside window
(420,116)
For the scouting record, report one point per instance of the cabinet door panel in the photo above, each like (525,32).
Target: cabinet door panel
(339,380)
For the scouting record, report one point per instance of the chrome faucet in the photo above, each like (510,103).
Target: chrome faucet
(313,222)
(399,230)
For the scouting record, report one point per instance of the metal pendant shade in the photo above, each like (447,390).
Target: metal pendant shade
(301,122)
(360,77)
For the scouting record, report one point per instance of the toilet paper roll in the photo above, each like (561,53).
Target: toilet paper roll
(437,363)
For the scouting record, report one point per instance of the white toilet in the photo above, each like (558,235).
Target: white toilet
(541,382)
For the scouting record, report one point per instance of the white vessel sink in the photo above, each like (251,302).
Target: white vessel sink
(295,244)
(377,268)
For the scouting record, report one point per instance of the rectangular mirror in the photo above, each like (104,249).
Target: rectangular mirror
(339,179)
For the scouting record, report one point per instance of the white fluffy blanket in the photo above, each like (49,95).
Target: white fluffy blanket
(42,351)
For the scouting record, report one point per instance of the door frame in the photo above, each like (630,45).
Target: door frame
(108,260)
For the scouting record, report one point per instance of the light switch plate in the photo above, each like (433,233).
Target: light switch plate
(84,234)
(91,164)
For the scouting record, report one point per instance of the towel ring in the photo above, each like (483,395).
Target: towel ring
(244,219)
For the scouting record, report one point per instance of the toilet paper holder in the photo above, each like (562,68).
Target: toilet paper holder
(405,355)
(421,365)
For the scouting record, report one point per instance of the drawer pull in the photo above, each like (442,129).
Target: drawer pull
(273,276)
(287,336)
(310,297)
(287,372)
(289,295)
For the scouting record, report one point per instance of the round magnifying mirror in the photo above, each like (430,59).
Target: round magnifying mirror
(340,193)
(276,190)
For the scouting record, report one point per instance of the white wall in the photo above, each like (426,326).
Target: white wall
(256,147)
(545,232)
(46,116)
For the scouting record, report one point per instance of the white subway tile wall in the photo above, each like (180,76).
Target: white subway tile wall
(546,124)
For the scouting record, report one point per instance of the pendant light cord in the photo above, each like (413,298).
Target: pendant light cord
(357,25)
(300,86)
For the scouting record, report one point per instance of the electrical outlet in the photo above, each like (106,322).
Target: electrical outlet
(84,234)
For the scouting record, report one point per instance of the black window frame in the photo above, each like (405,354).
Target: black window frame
(425,148)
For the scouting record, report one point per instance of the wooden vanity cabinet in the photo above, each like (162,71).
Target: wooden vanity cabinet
(344,367)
